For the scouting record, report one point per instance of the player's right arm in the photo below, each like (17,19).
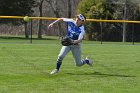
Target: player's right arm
(60,19)
(51,25)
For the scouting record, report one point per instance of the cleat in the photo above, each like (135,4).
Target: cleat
(88,62)
(54,71)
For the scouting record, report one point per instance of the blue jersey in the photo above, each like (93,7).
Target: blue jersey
(73,31)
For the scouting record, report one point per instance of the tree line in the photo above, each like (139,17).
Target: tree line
(41,8)
(97,9)
(111,10)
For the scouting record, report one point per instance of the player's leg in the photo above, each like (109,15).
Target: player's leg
(63,52)
(76,51)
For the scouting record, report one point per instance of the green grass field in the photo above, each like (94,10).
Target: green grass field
(25,68)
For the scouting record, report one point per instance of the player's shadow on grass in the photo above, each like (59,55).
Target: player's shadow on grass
(116,75)
(98,74)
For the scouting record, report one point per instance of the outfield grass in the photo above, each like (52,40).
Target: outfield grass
(25,68)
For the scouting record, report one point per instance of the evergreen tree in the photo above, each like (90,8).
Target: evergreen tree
(108,10)
(16,8)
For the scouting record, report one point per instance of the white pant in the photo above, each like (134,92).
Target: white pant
(76,51)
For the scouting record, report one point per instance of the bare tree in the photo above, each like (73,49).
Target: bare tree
(26,30)
(40,21)
(55,9)
(69,9)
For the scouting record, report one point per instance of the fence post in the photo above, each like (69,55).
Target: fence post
(31,31)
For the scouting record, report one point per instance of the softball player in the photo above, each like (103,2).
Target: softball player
(76,32)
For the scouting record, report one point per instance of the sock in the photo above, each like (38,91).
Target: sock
(59,62)
(58,65)
(86,61)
